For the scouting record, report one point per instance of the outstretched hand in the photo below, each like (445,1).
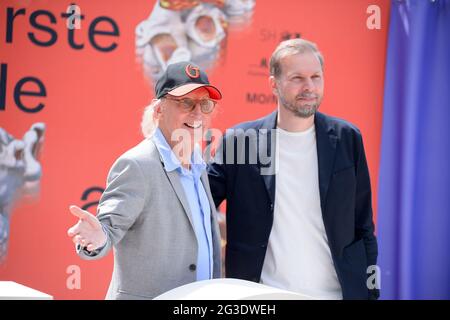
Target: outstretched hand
(88,231)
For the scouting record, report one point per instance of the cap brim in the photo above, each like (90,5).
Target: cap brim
(213,92)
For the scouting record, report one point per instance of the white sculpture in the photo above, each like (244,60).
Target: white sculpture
(188,31)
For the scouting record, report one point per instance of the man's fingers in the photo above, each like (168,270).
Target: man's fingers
(78,212)
(73,230)
(86,230)
(84,215)
(77,239)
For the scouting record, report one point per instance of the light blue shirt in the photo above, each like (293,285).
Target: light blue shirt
(197,199)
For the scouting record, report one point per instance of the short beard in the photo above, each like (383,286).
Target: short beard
(301,112)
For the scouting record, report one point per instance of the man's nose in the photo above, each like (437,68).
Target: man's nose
(197,109)
(309,85)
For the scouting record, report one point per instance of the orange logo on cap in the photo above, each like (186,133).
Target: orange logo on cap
(192,72)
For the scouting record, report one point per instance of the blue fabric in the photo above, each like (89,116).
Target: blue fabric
(414,194)
(197,198)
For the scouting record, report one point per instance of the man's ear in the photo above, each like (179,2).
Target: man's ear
(273,85)
(157,109)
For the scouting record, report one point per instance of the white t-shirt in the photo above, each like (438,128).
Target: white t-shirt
(298,256)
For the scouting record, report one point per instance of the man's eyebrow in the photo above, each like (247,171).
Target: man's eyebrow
(295,73)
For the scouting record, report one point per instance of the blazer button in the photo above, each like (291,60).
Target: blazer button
(192,267)
(271,207)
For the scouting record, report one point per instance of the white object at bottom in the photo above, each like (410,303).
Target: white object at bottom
(229,289)
(10,290)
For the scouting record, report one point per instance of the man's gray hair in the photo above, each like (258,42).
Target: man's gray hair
(291,47)
(149,122)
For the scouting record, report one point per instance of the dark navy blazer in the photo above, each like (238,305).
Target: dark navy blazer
(345,197)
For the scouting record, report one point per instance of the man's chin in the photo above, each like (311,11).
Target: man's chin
(306,111)
(302,111)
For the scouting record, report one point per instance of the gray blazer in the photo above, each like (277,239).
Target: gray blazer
(146,216)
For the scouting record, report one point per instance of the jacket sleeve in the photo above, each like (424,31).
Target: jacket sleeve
(364,216)
(120,204)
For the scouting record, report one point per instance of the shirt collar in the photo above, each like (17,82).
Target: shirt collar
(171,162)
(198,165)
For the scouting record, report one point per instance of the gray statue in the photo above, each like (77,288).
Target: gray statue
(20,174)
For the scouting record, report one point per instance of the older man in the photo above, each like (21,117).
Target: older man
(302,220)
(157,210)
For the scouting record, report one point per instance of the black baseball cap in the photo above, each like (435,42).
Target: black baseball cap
(183,77)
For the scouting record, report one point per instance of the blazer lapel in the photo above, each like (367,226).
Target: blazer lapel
(267,149)
(174,180)
(326,151)
(179,191)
